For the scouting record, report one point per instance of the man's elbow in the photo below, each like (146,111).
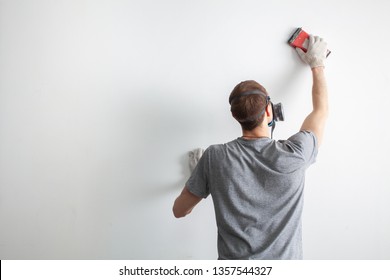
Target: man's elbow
(179,213)
(184,203)
(176,213)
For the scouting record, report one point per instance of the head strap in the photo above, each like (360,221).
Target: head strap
(245,93)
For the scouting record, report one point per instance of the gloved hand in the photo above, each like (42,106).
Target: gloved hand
(316,52)
(195,156)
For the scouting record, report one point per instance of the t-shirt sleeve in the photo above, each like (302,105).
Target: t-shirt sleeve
(198,181)
(305,144)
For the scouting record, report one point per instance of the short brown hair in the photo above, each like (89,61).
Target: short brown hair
(246,109)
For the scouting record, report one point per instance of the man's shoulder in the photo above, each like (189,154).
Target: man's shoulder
(302,139)
(303,144)
(222,147)
(220,150)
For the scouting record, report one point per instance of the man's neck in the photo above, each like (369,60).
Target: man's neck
(258,132)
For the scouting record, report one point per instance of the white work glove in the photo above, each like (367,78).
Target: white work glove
(316,52)
(195,156)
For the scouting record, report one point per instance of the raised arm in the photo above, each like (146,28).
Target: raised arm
(315,57)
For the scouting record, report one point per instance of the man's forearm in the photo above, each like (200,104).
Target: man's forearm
(319,91)
(315,121)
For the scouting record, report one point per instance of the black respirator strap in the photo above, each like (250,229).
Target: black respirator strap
(273,122)
(251,92)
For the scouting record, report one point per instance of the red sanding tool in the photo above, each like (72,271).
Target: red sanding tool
(300,39)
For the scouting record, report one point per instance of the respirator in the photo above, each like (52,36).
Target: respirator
(277,109)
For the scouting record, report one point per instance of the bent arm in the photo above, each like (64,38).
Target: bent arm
(315,121)
(184,203)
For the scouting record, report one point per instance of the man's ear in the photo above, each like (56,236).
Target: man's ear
(268,110)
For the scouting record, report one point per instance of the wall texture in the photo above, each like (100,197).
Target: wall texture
(100,101)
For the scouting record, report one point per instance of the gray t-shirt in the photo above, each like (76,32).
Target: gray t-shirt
(257,190)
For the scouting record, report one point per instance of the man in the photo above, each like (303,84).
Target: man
(257,183)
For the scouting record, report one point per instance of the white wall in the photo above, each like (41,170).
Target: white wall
(100,101)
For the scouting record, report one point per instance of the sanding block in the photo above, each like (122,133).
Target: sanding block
(300,39)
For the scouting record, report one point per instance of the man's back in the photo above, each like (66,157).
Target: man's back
(257,190)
